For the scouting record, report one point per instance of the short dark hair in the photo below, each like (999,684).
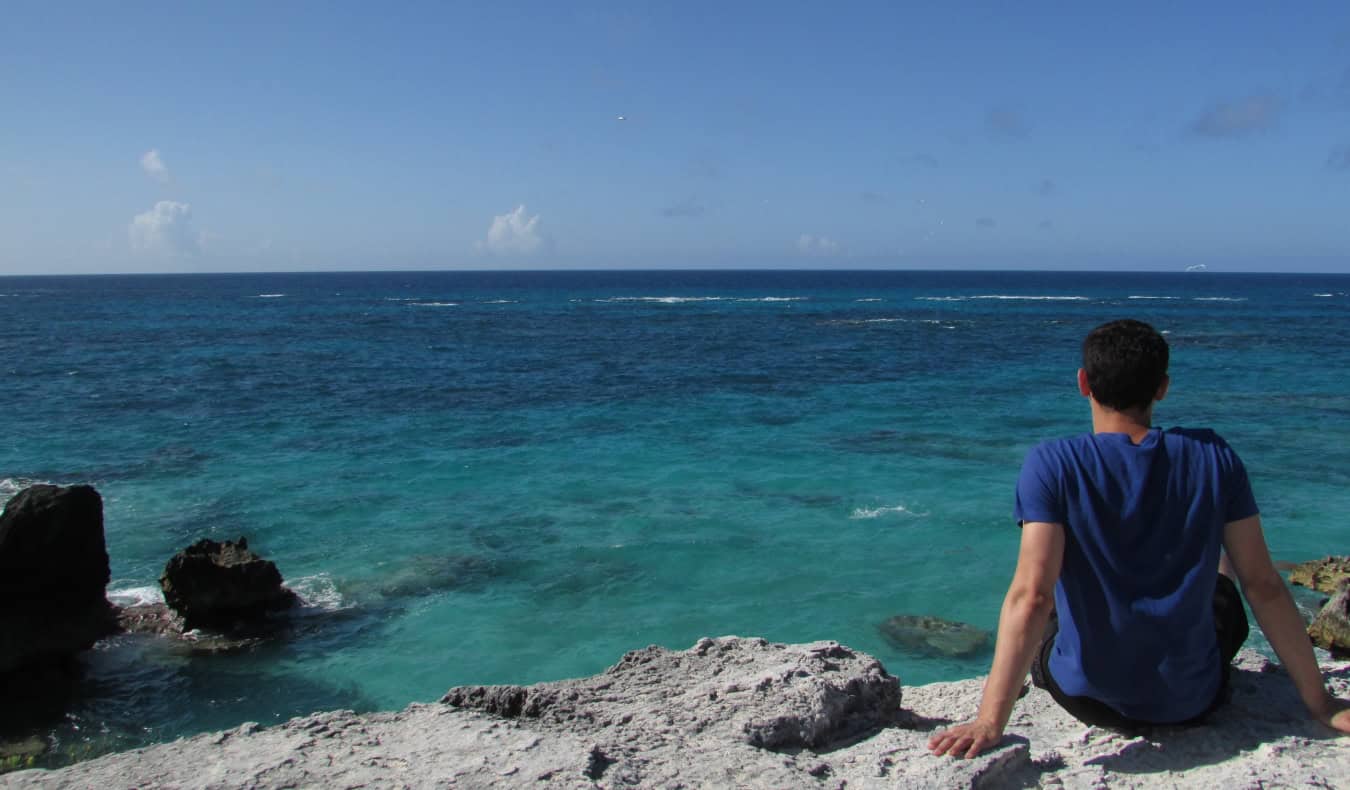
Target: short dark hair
(1125,362)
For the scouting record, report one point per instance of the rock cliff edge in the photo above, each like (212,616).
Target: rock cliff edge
(744,713)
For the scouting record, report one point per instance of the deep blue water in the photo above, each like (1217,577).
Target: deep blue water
(518,476)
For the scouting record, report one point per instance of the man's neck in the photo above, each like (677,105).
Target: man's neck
(1134,423)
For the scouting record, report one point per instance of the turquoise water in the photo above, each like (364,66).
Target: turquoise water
(517,477)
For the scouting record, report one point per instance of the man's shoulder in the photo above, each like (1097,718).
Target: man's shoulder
(1199,436)
(1057,455)
(1061,445)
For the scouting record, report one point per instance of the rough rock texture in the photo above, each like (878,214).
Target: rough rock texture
(1331,628)
(53,575)
(219,585)
(1325,575)
(769,695)
(652,721)
(933,636)
(157,619)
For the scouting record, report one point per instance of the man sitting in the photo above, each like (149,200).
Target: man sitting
(1122,605)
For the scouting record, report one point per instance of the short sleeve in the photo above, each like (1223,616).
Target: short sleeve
(1038,489)
(1239,502)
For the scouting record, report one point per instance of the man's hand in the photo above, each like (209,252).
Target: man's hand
(1026,608)
(966,740)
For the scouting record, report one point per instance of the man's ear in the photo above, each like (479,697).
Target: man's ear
(1083,388)
(1162,388)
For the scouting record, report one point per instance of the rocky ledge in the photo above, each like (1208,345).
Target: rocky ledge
(733,712)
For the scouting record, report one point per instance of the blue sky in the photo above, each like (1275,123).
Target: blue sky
(290,136)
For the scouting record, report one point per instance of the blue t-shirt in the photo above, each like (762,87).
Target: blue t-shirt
(1143,527)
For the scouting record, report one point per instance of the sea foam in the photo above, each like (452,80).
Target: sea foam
(135,596)
(878,512)
(1003,297)
(319,593)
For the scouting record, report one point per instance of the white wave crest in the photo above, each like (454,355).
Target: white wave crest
(878,512)
(664,299)
(501,301)
(1018,297)
(135,596)
(318,592)
(862,321)
(1220,299)
(774,299)
(868,299)
(401,298)
(9,486)
(1004,297)
(268,296)
(433,304)
(1153,297)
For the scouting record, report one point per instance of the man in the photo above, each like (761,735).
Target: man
(1118,598)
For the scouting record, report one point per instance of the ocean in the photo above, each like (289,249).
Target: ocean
(512,477)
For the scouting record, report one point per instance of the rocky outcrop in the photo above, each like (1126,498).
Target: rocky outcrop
(933,636)
(53,576)
(222,585)
(664,718)
(1325,575)
(1331,628)
(769,695)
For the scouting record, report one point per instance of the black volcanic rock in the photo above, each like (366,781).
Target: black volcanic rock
(53,576)
(222,585)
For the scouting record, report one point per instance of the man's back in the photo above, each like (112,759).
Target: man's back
(1121,532)
(1143,531)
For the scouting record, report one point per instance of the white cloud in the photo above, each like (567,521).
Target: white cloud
(166,229)
(154,166)
(808,244)
(514,233)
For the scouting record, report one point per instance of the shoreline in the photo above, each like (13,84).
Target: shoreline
(739,712)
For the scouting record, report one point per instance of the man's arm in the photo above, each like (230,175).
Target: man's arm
(1279,619)
(1021,624)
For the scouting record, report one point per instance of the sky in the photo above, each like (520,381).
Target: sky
(290,136)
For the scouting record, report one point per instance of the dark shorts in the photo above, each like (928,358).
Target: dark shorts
(1230,626)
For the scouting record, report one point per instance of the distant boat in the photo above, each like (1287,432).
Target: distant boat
(621,118)
(1197,267)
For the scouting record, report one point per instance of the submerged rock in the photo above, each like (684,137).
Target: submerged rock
(1325,575)
(223,585)
(1331,628)
(53,576)
(934,636)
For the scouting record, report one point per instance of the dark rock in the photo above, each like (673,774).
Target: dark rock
(1325,575)
(223,585)
(934,636)
(1331,628)
(154,619)
(53,575)
(158,620)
